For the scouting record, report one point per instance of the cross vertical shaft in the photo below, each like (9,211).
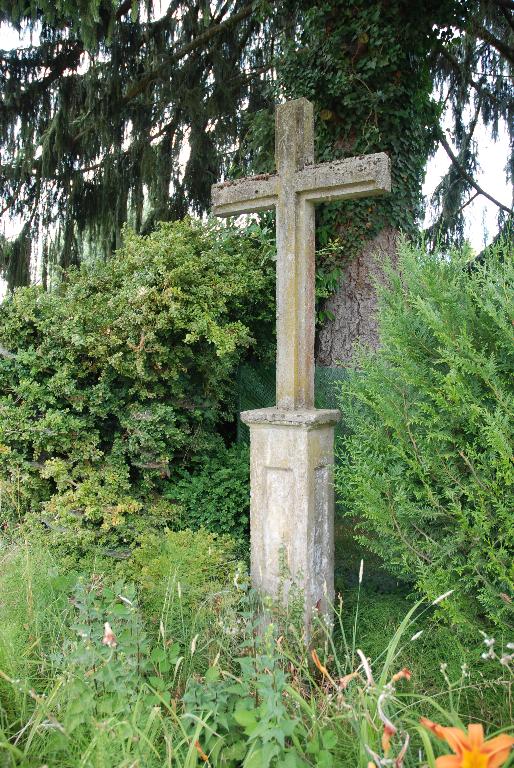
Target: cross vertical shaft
(295,258)
(294,190)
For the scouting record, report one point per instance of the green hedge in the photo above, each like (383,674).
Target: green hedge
(215,493)
(427,471)
(117,378)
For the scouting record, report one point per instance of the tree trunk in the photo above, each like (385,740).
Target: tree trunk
(354,305)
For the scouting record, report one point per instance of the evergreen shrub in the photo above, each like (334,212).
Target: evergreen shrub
(427,471)
(215,493)
(121,375)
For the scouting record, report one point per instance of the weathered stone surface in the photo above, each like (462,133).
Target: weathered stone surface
(348,179)
(365,176)
(250,195)
(308,418)
(295,262)
(292,500)
(294,189)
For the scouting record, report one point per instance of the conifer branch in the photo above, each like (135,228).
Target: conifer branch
(180,53)
(467,176)
(465,75)
(509,18)
(123,9)
(487,37)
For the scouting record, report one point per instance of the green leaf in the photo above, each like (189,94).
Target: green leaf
(245,717)
(329,739)
(212,675)
(158,655)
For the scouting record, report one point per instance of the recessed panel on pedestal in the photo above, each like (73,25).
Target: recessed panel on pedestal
(279,521)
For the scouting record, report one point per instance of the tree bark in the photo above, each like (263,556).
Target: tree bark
(354,305)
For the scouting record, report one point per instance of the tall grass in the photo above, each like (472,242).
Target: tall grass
(219,692)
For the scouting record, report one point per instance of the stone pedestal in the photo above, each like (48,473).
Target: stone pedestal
(292,503)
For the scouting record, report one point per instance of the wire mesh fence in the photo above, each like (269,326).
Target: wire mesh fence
(256,387)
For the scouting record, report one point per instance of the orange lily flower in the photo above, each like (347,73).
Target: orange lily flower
(320,666)
(201,753)
(471,751)
(324,671)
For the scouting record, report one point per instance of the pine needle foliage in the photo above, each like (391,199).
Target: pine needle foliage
(98,109)
(427,470)
(120,111)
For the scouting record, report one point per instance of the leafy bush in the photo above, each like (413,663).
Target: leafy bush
(96,699)
(215,494)
(249,721)
(118,377)
(75,690)
(427,469)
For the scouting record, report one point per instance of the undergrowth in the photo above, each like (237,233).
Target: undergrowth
(95,674)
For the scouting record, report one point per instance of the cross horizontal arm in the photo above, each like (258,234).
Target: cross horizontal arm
(345,179)
(255,193)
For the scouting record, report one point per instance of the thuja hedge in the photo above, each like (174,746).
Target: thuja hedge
(427,470)
(121,375)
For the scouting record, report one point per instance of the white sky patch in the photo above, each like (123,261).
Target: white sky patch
(10,38)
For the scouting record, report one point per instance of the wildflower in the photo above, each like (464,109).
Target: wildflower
(443,597)
(416,636)
(403,674)
(361,571)
(324,671)
(389,728)
(201,753)
(109,637)
(193,644)
(471,751)
(344,681)
(319,665)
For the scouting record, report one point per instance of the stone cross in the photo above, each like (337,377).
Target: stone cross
(294,190)
(291,445)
